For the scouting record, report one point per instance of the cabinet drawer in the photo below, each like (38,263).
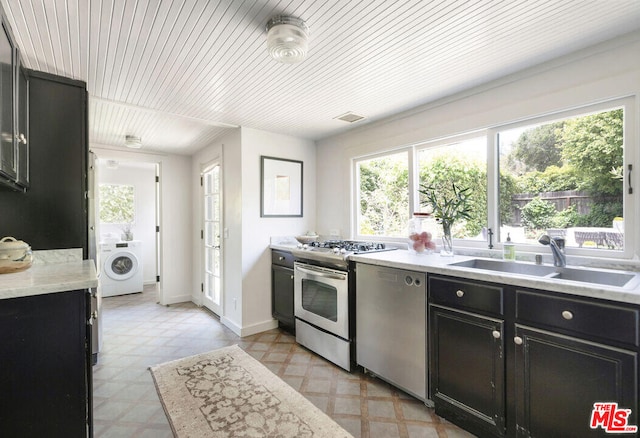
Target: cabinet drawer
(600,320)
(466,295)
(282,258)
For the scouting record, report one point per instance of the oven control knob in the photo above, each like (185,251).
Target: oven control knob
(336,250)
(305,246)
(343,251)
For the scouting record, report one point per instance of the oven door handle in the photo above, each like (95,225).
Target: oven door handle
(321,273)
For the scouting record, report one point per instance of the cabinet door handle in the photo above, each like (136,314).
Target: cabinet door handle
(517,340)
(567,315)
(292,277)
(496,334)
(460,293)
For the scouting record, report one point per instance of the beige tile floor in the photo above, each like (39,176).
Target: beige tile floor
(138,333)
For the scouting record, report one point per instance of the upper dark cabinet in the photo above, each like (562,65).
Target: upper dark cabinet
(14,113)
(8,153)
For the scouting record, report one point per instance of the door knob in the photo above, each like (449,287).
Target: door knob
(517,340)
(496,334)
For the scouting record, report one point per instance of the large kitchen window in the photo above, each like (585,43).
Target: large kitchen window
(567,175)
(383,195)
(565,178)
(463,162)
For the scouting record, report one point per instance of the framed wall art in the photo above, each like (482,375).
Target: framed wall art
(280,187)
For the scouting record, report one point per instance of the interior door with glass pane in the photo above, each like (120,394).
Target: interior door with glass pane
(212,226)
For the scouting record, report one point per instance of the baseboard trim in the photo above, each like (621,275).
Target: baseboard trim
(176,299)
(231,325)
(249,330)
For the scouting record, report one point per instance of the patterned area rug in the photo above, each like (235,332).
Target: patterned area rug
(227,393)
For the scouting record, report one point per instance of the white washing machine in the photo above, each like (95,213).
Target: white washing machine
(121,268)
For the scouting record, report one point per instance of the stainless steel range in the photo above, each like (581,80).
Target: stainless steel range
(324,300)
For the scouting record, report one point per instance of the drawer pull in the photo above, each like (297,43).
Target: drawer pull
(567,315)
(517,340)
(496,334)
(460,293)
(281,258)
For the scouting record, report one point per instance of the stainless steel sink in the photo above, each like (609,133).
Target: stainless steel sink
(510,267)
(618,279)
(582,275)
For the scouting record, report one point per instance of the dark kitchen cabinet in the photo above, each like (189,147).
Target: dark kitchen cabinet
(53,213)
(514,362)
(14,115)
(45,371)
(570,354)
(282,289)
(8,152)
(467,363)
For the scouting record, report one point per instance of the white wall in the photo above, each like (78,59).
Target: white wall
(600,73)
(257,231)
(175,220)
(142,176)
(247,257)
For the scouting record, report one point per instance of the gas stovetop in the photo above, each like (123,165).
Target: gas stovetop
(351,246)
(333,251)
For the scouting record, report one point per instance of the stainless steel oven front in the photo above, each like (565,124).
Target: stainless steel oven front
(321,300)
(321,297)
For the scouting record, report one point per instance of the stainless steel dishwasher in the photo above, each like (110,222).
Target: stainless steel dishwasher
(391,326)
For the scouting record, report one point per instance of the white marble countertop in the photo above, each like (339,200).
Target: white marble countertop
(47,278)
(435,264)
(283,246)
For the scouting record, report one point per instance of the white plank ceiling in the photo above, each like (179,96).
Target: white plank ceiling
(181,73)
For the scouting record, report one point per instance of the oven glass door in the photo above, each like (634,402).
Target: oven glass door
(321,298)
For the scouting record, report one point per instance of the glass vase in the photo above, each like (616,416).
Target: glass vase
(421,232)
(446,250)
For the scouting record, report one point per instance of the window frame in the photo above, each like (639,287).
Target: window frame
(133,204)
(631,205)
(355,178)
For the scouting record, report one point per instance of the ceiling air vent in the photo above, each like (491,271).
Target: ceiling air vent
(349,117)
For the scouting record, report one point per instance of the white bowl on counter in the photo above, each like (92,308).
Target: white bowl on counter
(306,239)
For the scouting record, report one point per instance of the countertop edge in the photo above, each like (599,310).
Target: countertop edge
(435,264)
(49,278)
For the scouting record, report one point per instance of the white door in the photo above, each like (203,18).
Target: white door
(211,241)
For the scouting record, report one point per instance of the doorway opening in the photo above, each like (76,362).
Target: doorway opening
(127,212)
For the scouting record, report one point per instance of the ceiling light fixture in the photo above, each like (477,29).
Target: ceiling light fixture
(287,39)
(133,142)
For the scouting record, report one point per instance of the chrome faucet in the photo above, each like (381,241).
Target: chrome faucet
(557,248)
